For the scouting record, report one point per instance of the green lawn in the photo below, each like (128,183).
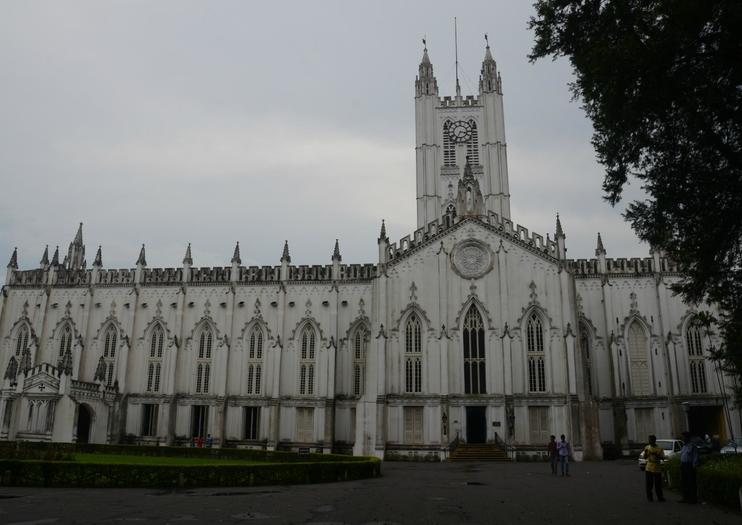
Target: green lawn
(157,460)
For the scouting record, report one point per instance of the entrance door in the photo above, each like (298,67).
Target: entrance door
(199,419)
(476,425)
(83,424)
(707,420)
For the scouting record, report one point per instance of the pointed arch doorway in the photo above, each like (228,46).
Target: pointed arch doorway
(84,420)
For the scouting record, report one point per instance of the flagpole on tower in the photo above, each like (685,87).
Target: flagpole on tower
(456,51)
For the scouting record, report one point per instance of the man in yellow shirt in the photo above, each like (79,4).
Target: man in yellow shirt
(652,472)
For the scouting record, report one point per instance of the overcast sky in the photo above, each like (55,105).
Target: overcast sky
(210,122)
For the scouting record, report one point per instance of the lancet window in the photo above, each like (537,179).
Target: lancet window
(65,340)
(535,348)
(474,356)
(696,361)
(472,145)
(203,361)
(449,148)
(639,360)
(413,355)
(360,346)
(586,358)
(21,340)
(109,353)
(307,361)
(154,363)
(255,361)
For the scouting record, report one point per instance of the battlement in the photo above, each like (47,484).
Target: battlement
(622,266)
(516,233)
(451,102)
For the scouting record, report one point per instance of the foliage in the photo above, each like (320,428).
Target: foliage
(719,479)
(660,80)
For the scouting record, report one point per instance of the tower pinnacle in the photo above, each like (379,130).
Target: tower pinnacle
(425,82)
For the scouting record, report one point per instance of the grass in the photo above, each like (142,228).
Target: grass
(119,459)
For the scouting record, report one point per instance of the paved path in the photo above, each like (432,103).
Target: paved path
(600,493)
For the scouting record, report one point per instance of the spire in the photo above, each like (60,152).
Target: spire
(600,249)
(188,259)
(336,252)
(76,253)
(467,170)
(488,78)
(285,255)
(382,233)
(425,82)
(45,258)
(141,260)
(78,236)
(236,256)
(14,259)
(559,231)
(55,257)
(98,258)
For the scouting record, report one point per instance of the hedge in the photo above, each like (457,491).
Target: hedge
(719,479)
(39,473)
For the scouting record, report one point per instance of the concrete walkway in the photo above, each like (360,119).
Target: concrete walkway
(511,493)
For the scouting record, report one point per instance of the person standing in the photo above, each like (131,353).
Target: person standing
(553,456)
(652,472)
(564,451)
(688,463)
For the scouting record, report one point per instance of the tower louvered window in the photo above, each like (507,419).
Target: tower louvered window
(413,355)
(449,148)
(109,353)
(535,346)
(696,361)
(307,361)
(639,360)
(255,361)
(360,344)
(65,340)
(22,339)
(474,359)
(472,145)
(154,364)
(203,362)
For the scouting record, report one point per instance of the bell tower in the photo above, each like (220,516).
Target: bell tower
(451,132)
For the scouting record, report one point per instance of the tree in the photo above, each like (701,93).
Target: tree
(661,81)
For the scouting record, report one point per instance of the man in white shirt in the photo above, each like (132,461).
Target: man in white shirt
(564,451)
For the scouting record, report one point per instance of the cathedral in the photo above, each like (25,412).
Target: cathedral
(471,329)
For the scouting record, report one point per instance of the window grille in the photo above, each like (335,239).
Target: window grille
(154,367)
(306,361)
(472,145)
(639,360)
(538,425)
(413,354)
(21,340)
(413,425)
(203,363)
(109,353)
(255,361)
(304,424)
(360,344)
(535,347)
(65,341)
(449,148)
(474,353)
(696,361)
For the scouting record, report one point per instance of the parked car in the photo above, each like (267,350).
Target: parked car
(670,446)
(733,447)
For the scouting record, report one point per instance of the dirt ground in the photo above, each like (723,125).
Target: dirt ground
(449,493)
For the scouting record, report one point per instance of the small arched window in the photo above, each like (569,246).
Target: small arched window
(154,365)
(65,340)
(109,353)
(449,148)
(639,360)
(535,350)
(203,362)
(255,361)
(21,342)
(413,355)
(306,361)
(360,345)
(696,361)
(474,357)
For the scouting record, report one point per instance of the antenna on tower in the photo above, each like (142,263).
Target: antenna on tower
(456,51)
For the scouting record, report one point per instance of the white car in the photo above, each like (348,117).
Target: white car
(670,446)
(733,447)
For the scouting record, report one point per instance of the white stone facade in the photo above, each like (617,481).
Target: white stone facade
(470,328)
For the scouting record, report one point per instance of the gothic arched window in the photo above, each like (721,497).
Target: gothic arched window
(306,361)
(638,360)
(154,364)
(109,353)
(21,339)
(255,360)
(586,358)
(203,361)
(474,359)
(472,145)
(65,340)
(696,361)
(413,355)
(360,345)
(535,347)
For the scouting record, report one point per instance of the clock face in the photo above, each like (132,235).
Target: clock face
(459,131)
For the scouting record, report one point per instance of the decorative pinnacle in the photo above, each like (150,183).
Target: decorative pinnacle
(188,259)
(336,252)
(285,255)
(78,236)
(559,231)
(600,250)
(45,258)
(14,259)
(98,258)
(382,233)
(55,257)
(236,256)
(141,260)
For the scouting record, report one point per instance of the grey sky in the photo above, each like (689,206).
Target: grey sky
(211,122)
